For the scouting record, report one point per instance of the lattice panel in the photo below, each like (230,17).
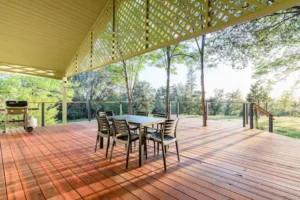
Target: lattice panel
(130,27)
(102,34)
(4,67)
(146,25)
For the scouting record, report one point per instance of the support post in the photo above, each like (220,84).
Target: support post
(247,113)
(43,114)
(64,105)
(207,110)
(244,115)
(271,124)
(89,110)
(121,110)
(177,109)
(251,116)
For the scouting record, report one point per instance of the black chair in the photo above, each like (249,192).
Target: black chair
(166,136)
(109,113)
(123,135)
(104,131)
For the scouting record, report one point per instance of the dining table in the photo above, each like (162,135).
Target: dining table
(140,122)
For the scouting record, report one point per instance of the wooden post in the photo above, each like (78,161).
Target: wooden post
(43,114)
(244,115)
(64,104)
(121,110)
(89,110)
(207,110)
(247,113)
(271,124)
(251,116)
(177,109)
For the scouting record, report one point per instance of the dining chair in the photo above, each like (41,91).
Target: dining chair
(150,130)
(105,130)
(100,113)
(109,113)
(166,136)
(123,135)
(142,113)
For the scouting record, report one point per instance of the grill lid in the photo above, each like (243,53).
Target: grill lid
(16,103)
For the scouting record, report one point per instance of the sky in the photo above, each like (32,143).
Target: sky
(223,77)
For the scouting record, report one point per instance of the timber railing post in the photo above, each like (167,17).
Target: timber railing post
(64,103)
(247,113)
(244,115)
(177,109)
(270,124)
(89,110)
(207,110)
(251,116)
(43,114)
(121,110)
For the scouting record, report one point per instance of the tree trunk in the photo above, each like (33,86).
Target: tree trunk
(129,94)
(201,52)
(168,82)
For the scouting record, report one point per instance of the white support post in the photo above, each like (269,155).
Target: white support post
(64,105)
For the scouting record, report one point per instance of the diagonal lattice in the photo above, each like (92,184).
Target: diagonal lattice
(127,28)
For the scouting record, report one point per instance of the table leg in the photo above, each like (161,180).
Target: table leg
(101,142)
(141,147)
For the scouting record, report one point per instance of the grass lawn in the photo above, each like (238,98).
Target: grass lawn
(288,126)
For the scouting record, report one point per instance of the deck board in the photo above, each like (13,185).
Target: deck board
(221,161)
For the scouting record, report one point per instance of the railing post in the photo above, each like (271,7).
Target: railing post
(247,113)
(244,115)
(207,110)
(121,110)
(271,124)
(43,114)
(89,110)
(177,109)
(64,103)
(251,116)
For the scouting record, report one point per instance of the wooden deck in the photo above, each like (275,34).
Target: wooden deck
(222,161)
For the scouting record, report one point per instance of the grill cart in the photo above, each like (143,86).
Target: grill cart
(18,108)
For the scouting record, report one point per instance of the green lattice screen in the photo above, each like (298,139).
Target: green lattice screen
(128,28)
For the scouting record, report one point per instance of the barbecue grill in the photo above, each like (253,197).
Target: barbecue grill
(13,109)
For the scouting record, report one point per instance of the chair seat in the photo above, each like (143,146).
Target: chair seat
(152,130)
(124,138)
(157,138)
(133,127)
(105,133)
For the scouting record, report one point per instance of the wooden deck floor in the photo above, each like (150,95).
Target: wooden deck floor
(222,161)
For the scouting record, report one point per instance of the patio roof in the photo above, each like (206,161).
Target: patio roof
(63,38)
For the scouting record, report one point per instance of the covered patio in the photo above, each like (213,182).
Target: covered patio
(222,161)
(59,39)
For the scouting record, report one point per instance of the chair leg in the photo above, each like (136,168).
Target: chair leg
(164,156)
(127,156)
(130,148)
(107,146)
(154,146)
(158,148)
(112,149)
(177,149)
(145,149)
(96,142)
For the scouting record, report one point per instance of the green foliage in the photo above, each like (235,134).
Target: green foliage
(33,89)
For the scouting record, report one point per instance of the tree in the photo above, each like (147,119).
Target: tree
(33,89)
(90,86)
(271,44)
(191,81)
(129,70)
(216,101)
(166,58)
(258,93)
(233,107)
(143,95)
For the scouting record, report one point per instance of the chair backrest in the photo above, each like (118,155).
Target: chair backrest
(170,127)
(121,127)
(103,124)
(161,115)
(142,113)
(101,114)
(109,113)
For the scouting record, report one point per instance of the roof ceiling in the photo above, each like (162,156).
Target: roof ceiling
(44,34)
